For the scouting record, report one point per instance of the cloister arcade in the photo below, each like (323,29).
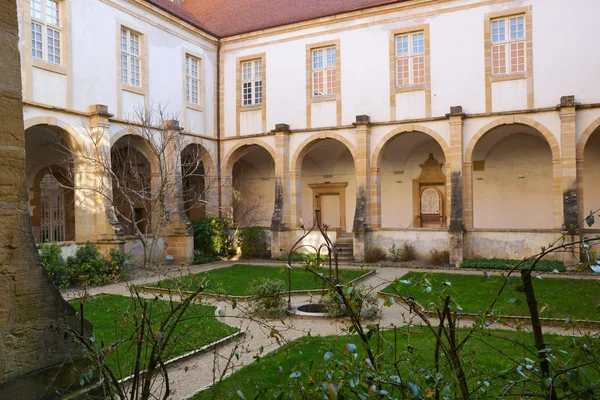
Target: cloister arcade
(513,179)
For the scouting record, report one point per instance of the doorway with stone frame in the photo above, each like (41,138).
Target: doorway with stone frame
(330,198)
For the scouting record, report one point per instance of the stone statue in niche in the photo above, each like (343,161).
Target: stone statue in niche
(428,195)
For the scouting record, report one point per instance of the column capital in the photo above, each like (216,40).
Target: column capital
(568,101)
(99,110)
(362,120)
(172,125)
(456,112)
(281,128)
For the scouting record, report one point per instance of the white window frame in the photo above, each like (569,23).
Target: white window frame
(192,79)
(324,60)
(414,51)
(131,43)
(251,82)
(506,40)
(47,36)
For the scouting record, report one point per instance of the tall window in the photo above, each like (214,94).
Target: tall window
(410,59)
(324,71)
(46,31)
(52,210)
(130,58)
(252,84)
(508,45)
(192,80)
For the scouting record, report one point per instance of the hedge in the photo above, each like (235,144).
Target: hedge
(506,264)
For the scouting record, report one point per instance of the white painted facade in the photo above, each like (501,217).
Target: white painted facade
(527,167)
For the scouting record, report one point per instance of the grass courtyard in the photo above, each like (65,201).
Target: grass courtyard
(112,318)
(234,280)
(485,356)
(559,298)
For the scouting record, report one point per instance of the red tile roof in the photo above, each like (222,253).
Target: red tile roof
(180,12)
(225,18)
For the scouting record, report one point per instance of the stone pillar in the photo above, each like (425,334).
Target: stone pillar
(95,218)
(454,170)
(363,174)
(35,346)
(281,223)
(180,235)
(568,147)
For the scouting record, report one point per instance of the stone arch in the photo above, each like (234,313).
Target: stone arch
(199,181)
(304,147)
(550,140)
(230,159)
(405,129)
(136,144)
(516,120)
(591,128)
(35,200)
(296,167)
(586,192)
(207,159)
(72,139)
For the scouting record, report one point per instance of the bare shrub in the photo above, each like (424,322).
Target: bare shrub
(374,254)
(438,257)
(406,252)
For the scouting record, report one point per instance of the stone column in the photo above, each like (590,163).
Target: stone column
(35,346)
(363,174)
(568,147)
(180,235)
(95,218)
(454,170)
(281,224)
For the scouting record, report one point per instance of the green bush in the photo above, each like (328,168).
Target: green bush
(362,300)
(252,242)
(505,264)
(374,254)
(53,262)
(404,253)
(87,266)
(211,236)
(268,297)
(438,257)
(304,257)
(200,258)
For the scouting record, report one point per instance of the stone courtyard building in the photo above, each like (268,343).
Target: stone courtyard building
(467,125)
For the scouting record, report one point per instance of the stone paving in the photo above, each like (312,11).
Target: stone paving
(193,374)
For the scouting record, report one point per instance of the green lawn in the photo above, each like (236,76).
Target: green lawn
(234,280)
(112,318)
(562,298)
(481,359)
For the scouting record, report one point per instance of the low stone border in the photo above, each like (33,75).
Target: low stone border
(192,353)
(551,322)
(220,297)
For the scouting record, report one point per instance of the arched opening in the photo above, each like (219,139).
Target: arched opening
(591,176)
(132,184)
(327,171)
(413,181)
(49,169)
(193,172)
(513,179)
(253,183)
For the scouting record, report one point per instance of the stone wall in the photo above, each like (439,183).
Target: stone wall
(33,315)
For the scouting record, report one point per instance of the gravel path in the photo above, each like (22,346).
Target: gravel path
(189,376)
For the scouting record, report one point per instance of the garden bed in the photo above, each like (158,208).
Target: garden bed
(302,362)
(234,280)
(558,299)
(111,317)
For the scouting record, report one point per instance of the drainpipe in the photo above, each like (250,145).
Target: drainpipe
(218,106)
